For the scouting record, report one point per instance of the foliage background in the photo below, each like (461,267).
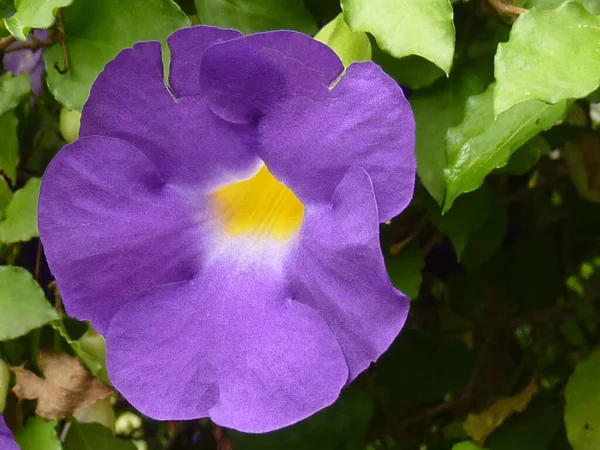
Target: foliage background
(499,250)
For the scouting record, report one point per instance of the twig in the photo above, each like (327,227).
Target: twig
(506,8)
(60,27)
(5,42)
(33,44)
(223,441)
(38,260)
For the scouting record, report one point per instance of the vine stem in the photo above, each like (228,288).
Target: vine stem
(33,44)
(507,8)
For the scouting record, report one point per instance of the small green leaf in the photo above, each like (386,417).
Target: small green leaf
(20,224)
(349,45)
(482,143)
(252,16)
(4,383)
(436,109)
(38,434)
(404,270)
(93,436)
(5,197)
(22,303)
(95,363)
(97,31)
(33,14)
(550,56)
(13,89)
(466,445)
(413,27)
(9,142)
(582,404)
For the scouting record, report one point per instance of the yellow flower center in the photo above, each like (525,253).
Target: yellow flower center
(259,207)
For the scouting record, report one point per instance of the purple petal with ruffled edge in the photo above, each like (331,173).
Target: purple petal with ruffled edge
(338,270)
(257,334)
(112,227)
(7,441)
(27,61)
(243,352)
(313,125)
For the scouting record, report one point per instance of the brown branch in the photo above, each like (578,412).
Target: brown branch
(223,441)
(32,44)
(506,8)
(5,42)
(60,27)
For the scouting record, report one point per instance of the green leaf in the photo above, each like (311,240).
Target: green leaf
(592,6)
(436,109)
(38,434)
(5,197)
(20,223)
(539,59)
(466,445)
(252,16)
(349,45)
(93,436)
(13,89)
(33,14)
(526,157)
(96,31)
(4,383)
(342,425)
(413,27)
(404,270)
(95,363)
(22,302)
(482,143)
(582,404)
(9,142)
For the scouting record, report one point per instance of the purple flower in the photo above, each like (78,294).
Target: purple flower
(7,441)
(223,233)
(27,61)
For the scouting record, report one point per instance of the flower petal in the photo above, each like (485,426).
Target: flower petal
(130,101)
(241,351)
(338,270)
(112,228)
(242,79)
(7,441)
(309,143)
(310,129)
(187,48)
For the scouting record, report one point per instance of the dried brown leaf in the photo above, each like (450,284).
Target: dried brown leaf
(66,387)
(479,426)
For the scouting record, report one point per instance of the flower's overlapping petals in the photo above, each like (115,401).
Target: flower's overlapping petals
(235,347)
(7,441)
(338,270)
(187,47)
(309,132)
(130,101)
(243,79)
(112,228)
